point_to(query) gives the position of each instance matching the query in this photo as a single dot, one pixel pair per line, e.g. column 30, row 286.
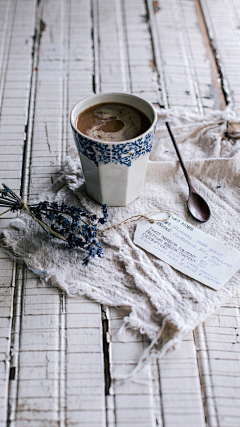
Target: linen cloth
column 165, row 304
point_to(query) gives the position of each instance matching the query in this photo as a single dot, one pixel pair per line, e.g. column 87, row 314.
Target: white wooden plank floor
column 57, row 354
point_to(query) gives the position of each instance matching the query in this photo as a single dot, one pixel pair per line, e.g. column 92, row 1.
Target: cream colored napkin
column 165, row 304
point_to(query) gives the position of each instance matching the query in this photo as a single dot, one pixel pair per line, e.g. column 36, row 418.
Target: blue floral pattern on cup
column 122, row 153
column 126, row 153
column 94, row 151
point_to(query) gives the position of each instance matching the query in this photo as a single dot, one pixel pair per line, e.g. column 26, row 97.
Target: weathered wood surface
column 57, row 353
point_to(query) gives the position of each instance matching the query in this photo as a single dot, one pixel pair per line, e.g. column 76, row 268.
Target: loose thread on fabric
column 151, row 353
column 136, row 218
column 37, row 271
column 143, row 359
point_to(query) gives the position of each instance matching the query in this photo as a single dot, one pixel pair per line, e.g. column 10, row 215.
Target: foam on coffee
column 112, row 122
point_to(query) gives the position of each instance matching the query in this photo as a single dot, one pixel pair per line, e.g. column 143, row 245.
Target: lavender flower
column 69, row 223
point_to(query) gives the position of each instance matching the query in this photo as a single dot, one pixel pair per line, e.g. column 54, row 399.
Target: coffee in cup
column 112, row 122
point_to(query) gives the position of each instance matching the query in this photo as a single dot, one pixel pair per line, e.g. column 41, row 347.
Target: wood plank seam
column 210, row 30
column 19, row 285
column 209, row 54
column 156, row 395
column 110, row 402
column 10, row 362
column 65, row 73
column 208, row 398
column 157, row 53
column 65, row 16
column 123, row 12
column 62, row 361
column 96, row 87
column 160, row 395
column 10, row 369
column 6, row 43
column 27, row 149
column 105, row 343
column 123, row 52
column 109, row 395
column 156, row 60
column 96, row 82
column 186, row 49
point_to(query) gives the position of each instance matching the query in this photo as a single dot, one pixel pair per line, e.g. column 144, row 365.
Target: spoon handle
column 179, row 155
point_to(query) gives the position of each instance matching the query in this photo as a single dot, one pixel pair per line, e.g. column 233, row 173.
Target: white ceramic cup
column 114, row 172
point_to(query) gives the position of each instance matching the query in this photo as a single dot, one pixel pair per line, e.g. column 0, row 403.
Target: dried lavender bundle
column 69, row 223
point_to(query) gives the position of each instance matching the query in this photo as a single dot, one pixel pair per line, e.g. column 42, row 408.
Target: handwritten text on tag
column 189, row 250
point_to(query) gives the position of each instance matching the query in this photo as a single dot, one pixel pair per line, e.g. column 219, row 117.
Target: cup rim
column 114, row 142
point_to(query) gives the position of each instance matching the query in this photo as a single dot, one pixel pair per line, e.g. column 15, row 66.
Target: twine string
column 136, row 218
column 3, row 213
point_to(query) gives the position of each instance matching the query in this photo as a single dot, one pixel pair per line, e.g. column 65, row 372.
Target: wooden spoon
column 197, row 206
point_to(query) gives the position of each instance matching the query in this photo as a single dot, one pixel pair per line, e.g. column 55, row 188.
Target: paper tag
column 189, row 250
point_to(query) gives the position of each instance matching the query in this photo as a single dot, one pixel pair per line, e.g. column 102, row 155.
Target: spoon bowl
column 197, row 206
